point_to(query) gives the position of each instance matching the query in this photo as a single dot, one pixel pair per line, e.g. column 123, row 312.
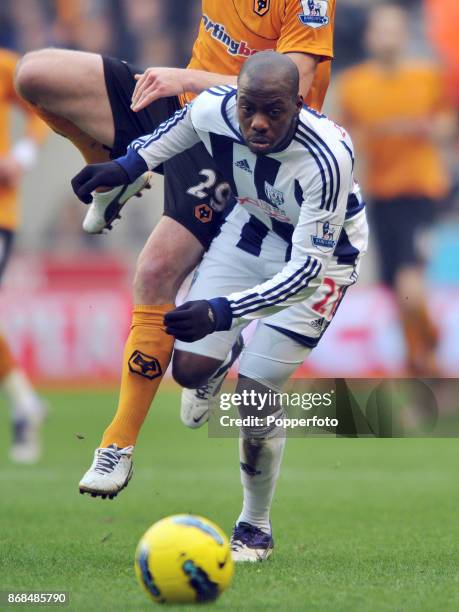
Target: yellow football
column 184, row 559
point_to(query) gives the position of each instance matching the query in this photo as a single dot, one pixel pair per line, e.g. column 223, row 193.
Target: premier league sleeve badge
column 326, row 236
column 315, row 13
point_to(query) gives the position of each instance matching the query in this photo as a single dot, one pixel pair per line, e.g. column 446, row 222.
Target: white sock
column 21, row 395
column 261, row 458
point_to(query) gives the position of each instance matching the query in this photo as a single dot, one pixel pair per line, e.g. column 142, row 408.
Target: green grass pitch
column 359, row 525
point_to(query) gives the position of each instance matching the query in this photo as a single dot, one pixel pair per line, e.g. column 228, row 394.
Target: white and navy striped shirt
column 305, row 192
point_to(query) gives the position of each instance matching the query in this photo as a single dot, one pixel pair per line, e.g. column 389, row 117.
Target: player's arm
column 308, row 44
column 299, row 278
column 161, row 82
column 307, row 65
column 146, row 153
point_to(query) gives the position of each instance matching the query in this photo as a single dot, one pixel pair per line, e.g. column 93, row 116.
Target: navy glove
column 109, row 174
column 195, row 320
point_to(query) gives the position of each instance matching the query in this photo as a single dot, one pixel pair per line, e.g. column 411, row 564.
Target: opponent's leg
column 173, row 250
column 86, row 98
column 169, row 255
column 67, row 90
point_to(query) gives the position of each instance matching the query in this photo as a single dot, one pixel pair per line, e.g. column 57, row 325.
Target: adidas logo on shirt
column 243, row 164
column 317, row 324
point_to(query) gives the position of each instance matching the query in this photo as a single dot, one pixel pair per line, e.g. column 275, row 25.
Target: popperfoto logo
column 271, row 409
column 233, row 47
column 362, row 408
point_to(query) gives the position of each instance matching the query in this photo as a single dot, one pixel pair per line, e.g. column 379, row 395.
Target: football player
column 101, row 104
column 293, row 241
column 401, row 137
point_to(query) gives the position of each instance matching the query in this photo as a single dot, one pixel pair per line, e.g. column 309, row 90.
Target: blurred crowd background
column 143, row 31
column 158, row 32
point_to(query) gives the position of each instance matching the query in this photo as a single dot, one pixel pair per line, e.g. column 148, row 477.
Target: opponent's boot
column 109, row 473
column 106, row 205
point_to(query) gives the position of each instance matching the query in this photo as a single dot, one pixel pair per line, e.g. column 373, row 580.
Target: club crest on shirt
column 314, row 13
column 326, row 236
column 275, row 196
column 261, row 7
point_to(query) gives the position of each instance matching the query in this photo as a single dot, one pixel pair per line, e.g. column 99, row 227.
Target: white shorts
column 228, row 266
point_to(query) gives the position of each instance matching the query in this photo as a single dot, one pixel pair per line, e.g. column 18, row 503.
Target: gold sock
column 92, row 151
column 7, row 361
column 147, row 354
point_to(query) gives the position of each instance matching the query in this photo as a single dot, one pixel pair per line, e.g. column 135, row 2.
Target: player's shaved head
column 268, row 71
column 268, row 102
